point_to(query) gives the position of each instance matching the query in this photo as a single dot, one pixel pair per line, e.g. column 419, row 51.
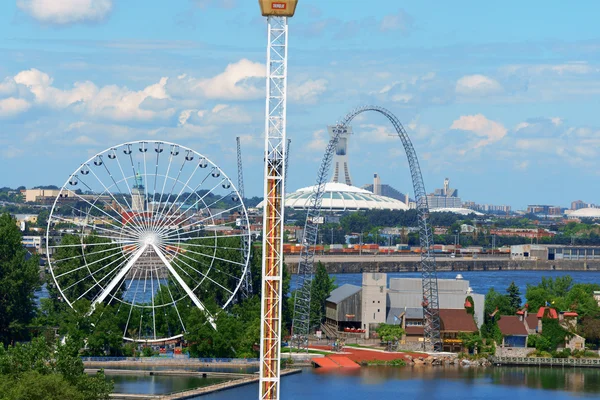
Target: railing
column 562, row 362
column 178, row 358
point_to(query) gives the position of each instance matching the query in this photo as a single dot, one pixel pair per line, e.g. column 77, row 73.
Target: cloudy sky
column 501, row 98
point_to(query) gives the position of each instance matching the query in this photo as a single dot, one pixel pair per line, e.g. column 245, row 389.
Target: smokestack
column 446, row 186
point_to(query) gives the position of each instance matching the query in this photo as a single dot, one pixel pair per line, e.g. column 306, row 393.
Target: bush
column 147, row 351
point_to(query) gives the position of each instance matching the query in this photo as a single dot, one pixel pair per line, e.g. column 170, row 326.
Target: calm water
column 382, row 383
column 143, row 384
column 482, row 281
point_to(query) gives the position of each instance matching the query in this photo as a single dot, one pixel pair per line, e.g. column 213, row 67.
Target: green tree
column 37, row 370
column 321, row 288
column 19, row 278
column 514, row 294
column 389, row 333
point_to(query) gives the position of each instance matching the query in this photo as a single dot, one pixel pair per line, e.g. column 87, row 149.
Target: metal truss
column 430, row 302
column 301, row 318
column 273, row 216
column 246, row 288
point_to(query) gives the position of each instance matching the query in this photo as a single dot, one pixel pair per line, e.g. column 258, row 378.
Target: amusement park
column 153, row 274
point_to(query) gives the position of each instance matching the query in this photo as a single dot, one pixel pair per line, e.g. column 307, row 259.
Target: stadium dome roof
column 342, row 197
column 586, row 213
column 461, row 211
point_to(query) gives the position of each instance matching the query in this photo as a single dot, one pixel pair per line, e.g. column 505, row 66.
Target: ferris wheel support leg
column 185, row 287
column 111, row 286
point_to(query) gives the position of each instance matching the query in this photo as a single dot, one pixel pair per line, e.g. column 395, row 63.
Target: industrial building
column 445, row 197
column 359, row 310
column 554, row 252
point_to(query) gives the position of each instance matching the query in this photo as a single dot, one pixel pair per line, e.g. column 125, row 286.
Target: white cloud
column 400, row 21
column 521, row 165
column 377, row 133
column 62, row 12
column 12, row 106
column 112, row 101
column 479, row 85
column 490, row 131
column 318, row 142
column 220, row 114
column 237, row 82
column 307, row 92
column 576, row 67
column 8, row 86
column 228, row 4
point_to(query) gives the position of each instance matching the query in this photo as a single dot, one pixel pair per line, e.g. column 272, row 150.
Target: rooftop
column 343, row 292
column 457, row 321
column 511, row 325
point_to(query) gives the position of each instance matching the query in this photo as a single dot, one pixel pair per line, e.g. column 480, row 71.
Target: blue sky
column 500, row 98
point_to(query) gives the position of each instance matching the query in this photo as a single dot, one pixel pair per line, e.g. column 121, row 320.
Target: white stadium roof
column 586, row 213
column 461, row 211
column 342, row 197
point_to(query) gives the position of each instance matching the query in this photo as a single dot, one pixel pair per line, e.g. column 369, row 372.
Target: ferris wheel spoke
column 107, row 190
column 152, row 301
column 194, row 191
column 144, row 150
column 90, row 275
column 217, row 269
column 109, row 288
column 108, row 223
column 164, row 185
column 83, row 224
column 175, row 305
column 99, row 195
column 185, row 185
column 185, row 287
column 178, row 244
column 214, row 257
column 87, row 254
column 83, row 266
column 205, row 275
column 132, row 302
column 201, row 198
column 175, row 232
column 135, row 220
column 103, row 212
column 84, row 245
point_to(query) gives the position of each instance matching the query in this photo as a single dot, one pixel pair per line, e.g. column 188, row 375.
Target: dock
column 239, row 380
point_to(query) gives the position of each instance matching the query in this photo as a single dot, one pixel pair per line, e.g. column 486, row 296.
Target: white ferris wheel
column 150, row 230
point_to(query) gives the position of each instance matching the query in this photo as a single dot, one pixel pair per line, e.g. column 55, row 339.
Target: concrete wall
column 374, row 293
column 453, row 265
column 513, row 351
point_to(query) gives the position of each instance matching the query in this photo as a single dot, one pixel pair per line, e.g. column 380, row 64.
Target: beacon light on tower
column 278, row 8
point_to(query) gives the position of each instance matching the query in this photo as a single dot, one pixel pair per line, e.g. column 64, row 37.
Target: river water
column 430, row 383
column 379, row 383
column 482, row 281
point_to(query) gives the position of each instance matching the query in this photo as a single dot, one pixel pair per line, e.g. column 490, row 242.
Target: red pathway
column 359, row 355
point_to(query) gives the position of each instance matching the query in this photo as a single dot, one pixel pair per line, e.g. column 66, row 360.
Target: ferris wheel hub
column 150, row 239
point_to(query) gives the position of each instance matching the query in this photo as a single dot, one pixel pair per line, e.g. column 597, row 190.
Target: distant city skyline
column 509, row 115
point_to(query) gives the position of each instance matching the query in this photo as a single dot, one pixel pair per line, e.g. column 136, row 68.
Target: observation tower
column 277, row 13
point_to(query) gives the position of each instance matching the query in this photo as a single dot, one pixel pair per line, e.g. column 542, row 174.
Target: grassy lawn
column 287, row 350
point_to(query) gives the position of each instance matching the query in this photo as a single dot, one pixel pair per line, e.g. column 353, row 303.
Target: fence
column 540, row 361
